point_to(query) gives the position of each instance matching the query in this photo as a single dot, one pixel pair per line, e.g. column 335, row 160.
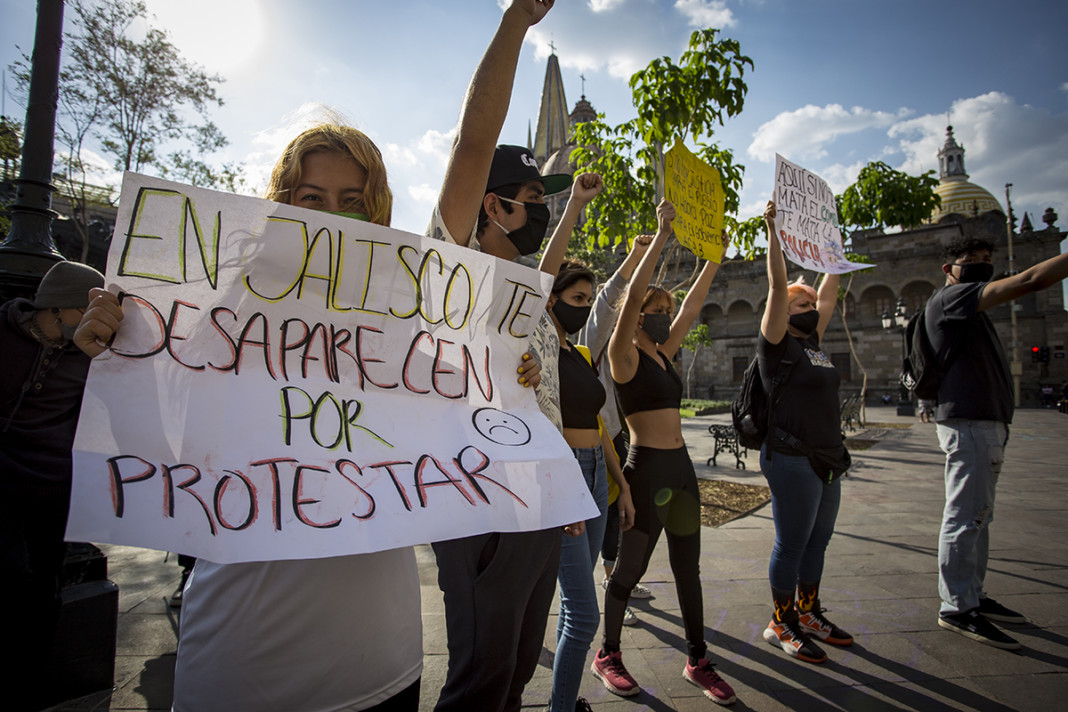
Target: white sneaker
column 629, row 618
column 638, row 591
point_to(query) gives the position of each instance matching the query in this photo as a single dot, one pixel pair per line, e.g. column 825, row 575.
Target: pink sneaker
column 704, row 675
column 608, row 667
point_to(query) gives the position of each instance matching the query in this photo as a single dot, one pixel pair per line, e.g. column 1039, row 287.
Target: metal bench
column 726, row 439
column 851, row 412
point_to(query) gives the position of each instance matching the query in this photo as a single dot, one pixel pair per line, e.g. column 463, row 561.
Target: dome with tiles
column 959, row 196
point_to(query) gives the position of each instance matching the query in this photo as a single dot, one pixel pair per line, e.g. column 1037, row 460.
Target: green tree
column 883, row 197
column 696, row 339
column 674, row 102
column 10, row 154
column 127, row 92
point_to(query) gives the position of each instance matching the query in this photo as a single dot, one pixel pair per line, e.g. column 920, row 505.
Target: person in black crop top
column 640, row 352
column 804, row 506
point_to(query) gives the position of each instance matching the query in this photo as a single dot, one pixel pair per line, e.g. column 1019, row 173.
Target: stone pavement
column 880, row 584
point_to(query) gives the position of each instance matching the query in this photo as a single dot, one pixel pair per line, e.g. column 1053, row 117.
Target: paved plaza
column 880, row 584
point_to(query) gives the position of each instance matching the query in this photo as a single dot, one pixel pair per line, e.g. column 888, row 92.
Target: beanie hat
column 66, row 286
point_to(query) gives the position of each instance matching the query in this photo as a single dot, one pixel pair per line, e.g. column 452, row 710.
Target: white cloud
column 604, row 5
column 424, row 193
column 1004, row 142
column 803, row 134
column 706, row 13
column 648, row 30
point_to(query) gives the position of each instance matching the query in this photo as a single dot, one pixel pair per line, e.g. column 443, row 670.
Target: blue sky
column 836, row 84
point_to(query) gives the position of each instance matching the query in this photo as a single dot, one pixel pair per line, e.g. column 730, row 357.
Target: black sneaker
column 581, row 705
column 989, row 608
column 972, row 625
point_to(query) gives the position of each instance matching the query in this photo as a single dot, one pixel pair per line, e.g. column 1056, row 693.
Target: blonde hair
column 795, row 290
column 348, row 142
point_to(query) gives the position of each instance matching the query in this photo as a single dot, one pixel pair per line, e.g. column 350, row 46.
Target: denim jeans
column 579, row 614
column 804, row 508
column 975, row 451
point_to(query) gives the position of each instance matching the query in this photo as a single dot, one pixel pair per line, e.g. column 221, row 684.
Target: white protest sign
column 806, row 220
column 292, row 384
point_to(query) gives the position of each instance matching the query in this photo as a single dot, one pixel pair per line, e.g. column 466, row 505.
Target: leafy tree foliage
column 674, row 102
column 696, row 339
column 126, row 92
column 884, row 197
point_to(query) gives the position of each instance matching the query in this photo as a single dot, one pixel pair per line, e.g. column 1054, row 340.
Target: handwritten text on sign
column 293, row 384
column 695, row 189
column 807, row 220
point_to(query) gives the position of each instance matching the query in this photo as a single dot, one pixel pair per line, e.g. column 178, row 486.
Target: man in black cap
column 41, row 385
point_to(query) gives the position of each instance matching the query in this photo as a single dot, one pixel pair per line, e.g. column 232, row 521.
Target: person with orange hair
column 803, row 453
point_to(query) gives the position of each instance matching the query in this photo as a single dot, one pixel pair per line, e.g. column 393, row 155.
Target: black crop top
column 652, row 387
column 581, row 394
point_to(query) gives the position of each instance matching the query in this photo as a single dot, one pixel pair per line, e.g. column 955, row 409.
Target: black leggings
column 664, row 489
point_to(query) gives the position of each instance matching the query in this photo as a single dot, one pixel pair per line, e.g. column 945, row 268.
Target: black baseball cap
column 516, row 164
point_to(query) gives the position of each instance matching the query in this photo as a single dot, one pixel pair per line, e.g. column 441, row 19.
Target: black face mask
column 805, row 322
column 976, row 272
column 571, row 318
column 528, row 238
column 658, row 326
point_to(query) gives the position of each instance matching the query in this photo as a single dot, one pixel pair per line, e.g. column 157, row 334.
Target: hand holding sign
column 805, row 219
column 696, row 190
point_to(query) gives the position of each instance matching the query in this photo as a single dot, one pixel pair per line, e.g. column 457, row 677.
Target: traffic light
column 1035, row 353
column 1043, row 355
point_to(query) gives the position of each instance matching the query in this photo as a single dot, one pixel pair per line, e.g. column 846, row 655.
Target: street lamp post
column 897, row 321
column 28, row 251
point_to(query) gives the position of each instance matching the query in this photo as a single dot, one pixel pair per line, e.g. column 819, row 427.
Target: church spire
column 951, row 159
column 553, row 124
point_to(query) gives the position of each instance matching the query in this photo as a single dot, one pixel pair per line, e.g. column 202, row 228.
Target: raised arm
column 583, row 190
column 622, row 356
column 691, row 305
column 595, row 334
column 777, row 308
column 481, row 118
column 826, row 298
column 1033, row 279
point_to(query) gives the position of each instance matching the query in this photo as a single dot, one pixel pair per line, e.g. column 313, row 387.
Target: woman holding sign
column 804, row 432
column 659, row 471
column 325, row 634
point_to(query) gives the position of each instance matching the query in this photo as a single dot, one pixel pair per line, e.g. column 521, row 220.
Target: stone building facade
column 908, row 267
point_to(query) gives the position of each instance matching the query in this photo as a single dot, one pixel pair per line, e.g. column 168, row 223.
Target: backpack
column 751, row 412
column 919, row 366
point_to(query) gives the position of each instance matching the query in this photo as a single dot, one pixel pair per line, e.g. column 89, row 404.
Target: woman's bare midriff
column 661, row 429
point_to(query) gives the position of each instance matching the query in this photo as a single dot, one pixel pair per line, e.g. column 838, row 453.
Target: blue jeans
column 579, row 614
column 975, row 451
column 804, row 509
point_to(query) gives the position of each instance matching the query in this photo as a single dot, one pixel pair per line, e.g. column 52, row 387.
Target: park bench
column 726, row 439
column 851, row 411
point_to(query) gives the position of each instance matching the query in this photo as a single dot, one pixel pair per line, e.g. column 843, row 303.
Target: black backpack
column 750, row 413
column 919, row 367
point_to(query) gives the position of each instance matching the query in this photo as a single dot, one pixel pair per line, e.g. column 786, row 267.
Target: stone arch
column 741, row 318
column 916, row 295
column 875, row 300
column 713, row 317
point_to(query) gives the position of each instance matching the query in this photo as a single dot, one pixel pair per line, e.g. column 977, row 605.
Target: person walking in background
column 975, row 408
column 805, row 428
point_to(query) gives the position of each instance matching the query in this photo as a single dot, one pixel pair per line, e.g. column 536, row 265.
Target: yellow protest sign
column 694, row 187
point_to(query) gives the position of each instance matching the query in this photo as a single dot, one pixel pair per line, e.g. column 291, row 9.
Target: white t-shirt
column 316, row 635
